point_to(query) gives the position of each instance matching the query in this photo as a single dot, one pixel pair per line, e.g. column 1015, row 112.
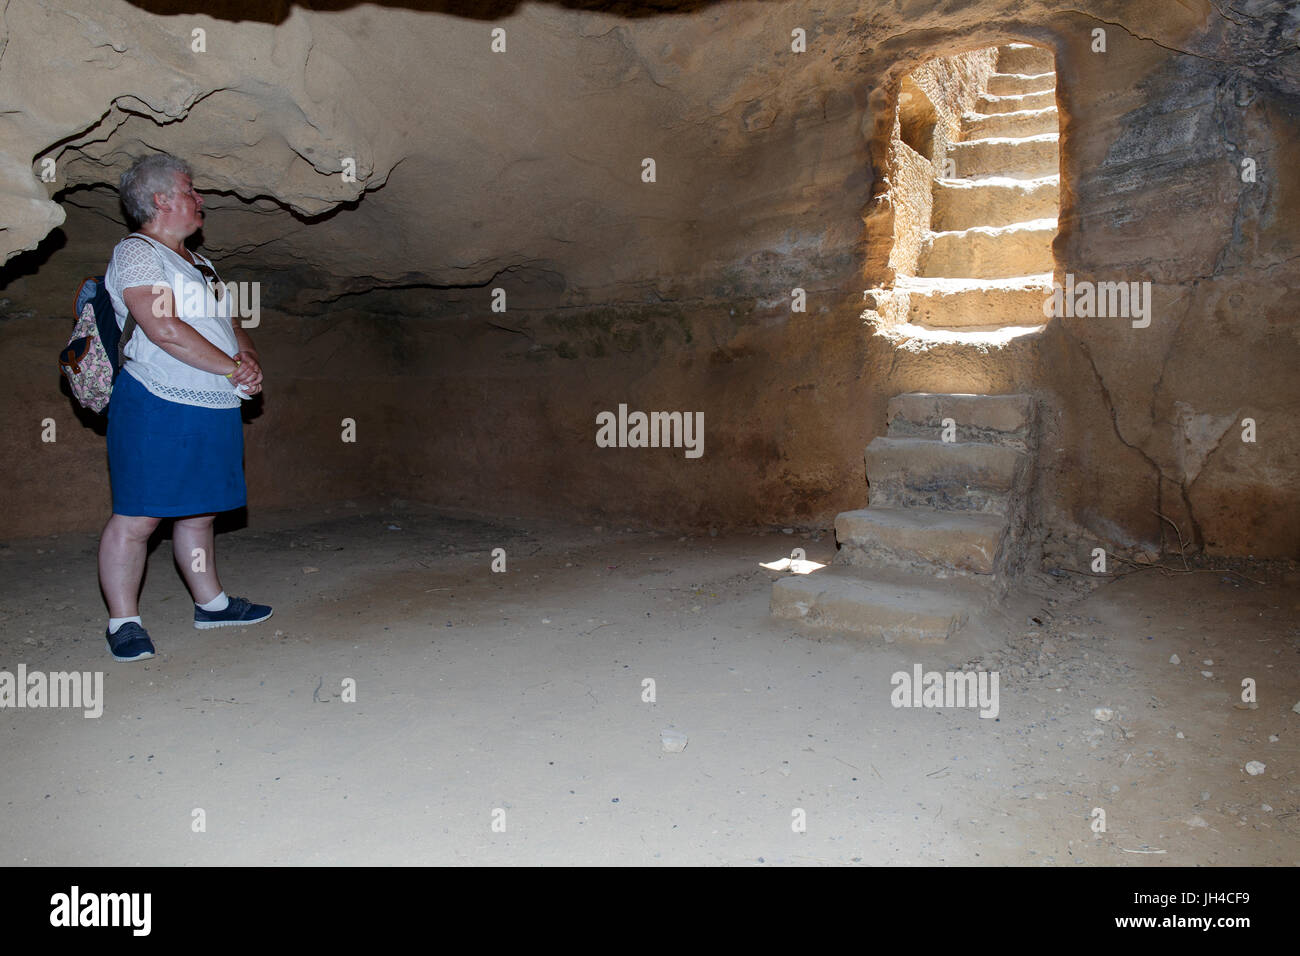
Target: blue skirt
column 168, row 460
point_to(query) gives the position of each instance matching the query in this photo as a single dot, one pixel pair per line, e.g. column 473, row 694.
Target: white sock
column 115, row 622
column 218, row 603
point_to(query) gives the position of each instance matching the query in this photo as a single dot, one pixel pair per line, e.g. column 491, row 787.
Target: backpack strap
column 127, row 328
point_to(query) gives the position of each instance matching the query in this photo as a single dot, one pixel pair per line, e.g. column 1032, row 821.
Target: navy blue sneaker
column 238, row 611
column 130, row 643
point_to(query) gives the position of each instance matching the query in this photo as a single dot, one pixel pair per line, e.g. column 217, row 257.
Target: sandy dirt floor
column 516, row 698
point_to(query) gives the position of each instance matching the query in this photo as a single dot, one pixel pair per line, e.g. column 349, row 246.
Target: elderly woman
column 175, row 436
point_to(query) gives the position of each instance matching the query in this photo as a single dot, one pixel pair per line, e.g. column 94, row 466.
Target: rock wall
column 523, row 171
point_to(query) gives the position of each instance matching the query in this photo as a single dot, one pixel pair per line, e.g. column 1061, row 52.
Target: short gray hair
column 148, row 175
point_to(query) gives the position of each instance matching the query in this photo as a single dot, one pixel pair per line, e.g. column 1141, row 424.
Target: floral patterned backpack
column 93, row 356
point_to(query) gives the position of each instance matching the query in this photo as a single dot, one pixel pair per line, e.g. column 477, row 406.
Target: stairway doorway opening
column 967, row 211
column 972, row 201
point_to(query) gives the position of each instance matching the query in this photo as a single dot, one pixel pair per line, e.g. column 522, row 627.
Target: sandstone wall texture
column 907, row 213
column 523, row 170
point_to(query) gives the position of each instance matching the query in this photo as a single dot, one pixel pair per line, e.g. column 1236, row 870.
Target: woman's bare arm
column 245, row 343
column 154, row 310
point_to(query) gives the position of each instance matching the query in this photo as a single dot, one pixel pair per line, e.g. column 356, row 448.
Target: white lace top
column 149, row 263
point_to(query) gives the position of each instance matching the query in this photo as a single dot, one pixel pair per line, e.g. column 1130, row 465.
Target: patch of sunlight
column 793, row 565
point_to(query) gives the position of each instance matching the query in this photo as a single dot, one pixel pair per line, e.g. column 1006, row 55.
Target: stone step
column 1019, row 123
column 1017, row 84
column 990, row 252
column 940, row 542
column 987, row 103
column 955, row 303
column 951, row 476
column 993, row 201
column 1025, row 58
column 993, row 419
column 1012, row 157
column 880, row 604
column 980, row 337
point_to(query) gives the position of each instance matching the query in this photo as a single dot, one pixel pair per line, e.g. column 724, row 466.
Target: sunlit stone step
column 1025, row 58
column 987, row 103
column 1017, row 84
column 1019, row 123
column 954, row 303
column 991, row 252
column 993, row 201
column 1012, row 157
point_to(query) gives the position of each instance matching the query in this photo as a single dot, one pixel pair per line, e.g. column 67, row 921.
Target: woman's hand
column 247, row 373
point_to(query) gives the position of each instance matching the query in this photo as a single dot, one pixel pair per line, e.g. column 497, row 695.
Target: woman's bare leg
column 123, row 548
column 193, row 548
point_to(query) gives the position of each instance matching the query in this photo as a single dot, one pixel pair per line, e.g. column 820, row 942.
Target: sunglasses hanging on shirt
column 214, row 281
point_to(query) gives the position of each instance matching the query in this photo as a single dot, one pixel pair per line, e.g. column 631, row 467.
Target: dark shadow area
column 916, row 117
column 228, row 521
column 30, row 262
column 251, row 410
column 97, row 422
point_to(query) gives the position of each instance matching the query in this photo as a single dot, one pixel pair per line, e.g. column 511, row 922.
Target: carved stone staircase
column 944, row 528
column 986, row 262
